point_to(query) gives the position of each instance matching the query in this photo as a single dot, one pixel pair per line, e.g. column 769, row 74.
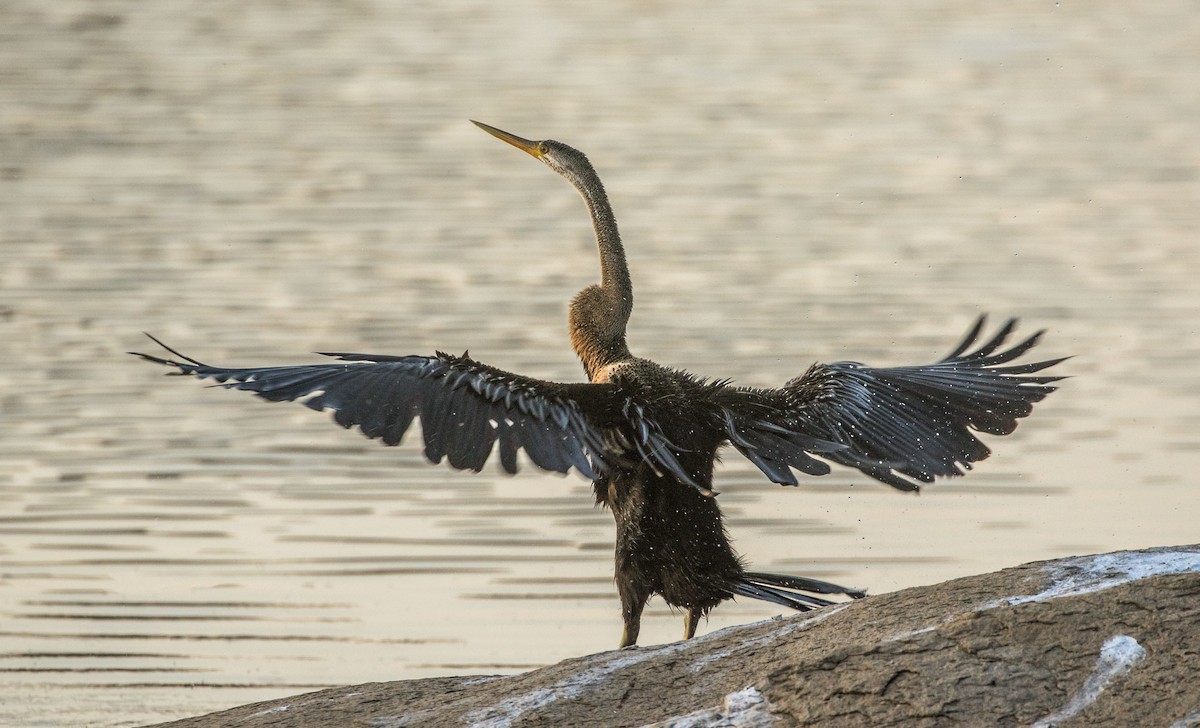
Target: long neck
column 599, row 314
column 614, row 272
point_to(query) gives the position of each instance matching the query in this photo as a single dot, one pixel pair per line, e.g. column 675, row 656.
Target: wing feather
column 467, row 409
column 900, row 425
column 464, row 406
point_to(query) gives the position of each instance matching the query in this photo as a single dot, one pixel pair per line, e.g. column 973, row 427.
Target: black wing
column 896, row 424
column 465, row 408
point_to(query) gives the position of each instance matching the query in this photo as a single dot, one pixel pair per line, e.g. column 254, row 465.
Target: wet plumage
column 648, row 435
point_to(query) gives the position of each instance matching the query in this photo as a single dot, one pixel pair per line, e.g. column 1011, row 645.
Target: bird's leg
column 632, row 613
column 629, row 635
column 690, row 620
column 632, row 602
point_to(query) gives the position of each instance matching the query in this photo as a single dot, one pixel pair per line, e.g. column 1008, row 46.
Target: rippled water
column 814, row 182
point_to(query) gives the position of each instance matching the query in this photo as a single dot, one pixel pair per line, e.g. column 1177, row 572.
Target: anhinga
column 648, row 435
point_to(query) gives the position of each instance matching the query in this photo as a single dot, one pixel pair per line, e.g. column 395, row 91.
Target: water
column 814, row 182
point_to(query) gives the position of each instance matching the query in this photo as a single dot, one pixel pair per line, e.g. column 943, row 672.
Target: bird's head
column 566, row 160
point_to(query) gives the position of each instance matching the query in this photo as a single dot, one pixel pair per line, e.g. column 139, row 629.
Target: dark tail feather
column 788, row 591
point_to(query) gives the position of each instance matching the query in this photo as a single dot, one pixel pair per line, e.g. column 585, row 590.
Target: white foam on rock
column 273, row 709
column 1087, row 574
column 1191, row 720
column 1118, row 655
column 502, row 714
column 789, row 626
column 744, row 709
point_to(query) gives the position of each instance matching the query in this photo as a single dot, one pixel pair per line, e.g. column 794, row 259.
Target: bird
column 648, row 435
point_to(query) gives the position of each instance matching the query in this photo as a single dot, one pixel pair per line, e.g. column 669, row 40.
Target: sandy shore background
column 815, row 181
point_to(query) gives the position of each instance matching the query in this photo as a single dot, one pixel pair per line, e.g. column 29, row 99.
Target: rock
column 1107, row 640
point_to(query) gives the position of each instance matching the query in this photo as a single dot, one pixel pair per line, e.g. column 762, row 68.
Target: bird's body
column 649, row 435
column 670, row 538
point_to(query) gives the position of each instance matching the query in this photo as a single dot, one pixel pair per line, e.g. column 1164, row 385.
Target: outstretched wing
column 466, row 408
column 896, row 424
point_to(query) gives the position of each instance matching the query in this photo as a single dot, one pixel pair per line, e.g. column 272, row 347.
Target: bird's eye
column 543, row 149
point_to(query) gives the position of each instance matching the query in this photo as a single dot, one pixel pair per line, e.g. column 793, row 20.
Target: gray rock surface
column 1107, row 640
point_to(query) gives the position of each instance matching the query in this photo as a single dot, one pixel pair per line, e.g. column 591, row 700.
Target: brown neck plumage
column 599, row 313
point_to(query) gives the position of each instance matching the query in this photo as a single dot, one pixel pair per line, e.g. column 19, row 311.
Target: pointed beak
column 525, row 145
